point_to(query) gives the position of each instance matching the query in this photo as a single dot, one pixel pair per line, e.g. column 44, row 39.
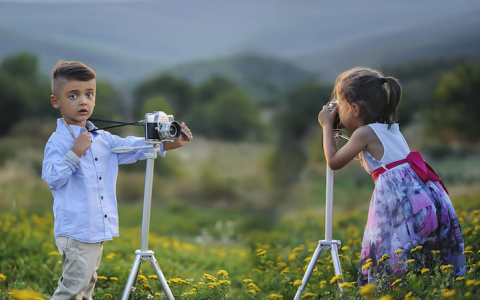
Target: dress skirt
column 405, row 213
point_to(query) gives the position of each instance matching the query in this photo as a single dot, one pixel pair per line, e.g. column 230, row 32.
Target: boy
column 81, row 172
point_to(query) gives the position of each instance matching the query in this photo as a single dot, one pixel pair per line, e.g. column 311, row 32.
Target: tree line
column 440, row 93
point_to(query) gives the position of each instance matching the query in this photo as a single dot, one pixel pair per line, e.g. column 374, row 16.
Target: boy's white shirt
column 85, row 204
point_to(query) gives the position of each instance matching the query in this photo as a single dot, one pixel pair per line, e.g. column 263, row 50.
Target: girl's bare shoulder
column 365, row 132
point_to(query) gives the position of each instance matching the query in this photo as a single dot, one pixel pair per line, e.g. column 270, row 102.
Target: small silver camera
column 336, row 123
column 161, row 127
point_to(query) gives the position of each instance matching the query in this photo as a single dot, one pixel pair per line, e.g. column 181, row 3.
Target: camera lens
column 173, row 130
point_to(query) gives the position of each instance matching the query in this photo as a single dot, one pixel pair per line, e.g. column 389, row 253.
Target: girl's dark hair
column 65, row 71
column 377, row 96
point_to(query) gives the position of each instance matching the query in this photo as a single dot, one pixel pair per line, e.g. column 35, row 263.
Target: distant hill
column 262, row 77
column 128, row 40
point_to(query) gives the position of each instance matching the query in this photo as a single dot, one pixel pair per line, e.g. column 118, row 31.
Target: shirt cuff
column 161, row 152
column 72, row 160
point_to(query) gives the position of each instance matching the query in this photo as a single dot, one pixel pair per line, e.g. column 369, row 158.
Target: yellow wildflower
column 297, row 249
column 275, row 296
column 410, row 261
column 209, row 277
column 368, row 260
column 308, row 295
column 385, row 257
column 459, row 278
column 416, row 249
column 224, row 282
column 286, row 270
column 467, row 252
column 108, row 295
column 24, row 294
column 3, row 277
column 222, row 273
column 336, row 278
column 252, row 292
column 114, row 278
column 366, row 266
column 212, row 284
column 245, row 281
column 470, row 282
column 102, row 278
column 297, row 282
column 446, row 268
column 281, row 264
column 54, row 253
column 399, row 251
column 253, row 286
column 448, row 293
column 396, row 281
column 425, row 271
column 346, row 285
column 435, row 251
column 386, row 297
column 367, row 290
column 153, row 277
column 345, row 248
column 262, row 252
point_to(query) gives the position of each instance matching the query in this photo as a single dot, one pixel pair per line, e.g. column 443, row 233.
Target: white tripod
column 327, row 243
column 143, row 253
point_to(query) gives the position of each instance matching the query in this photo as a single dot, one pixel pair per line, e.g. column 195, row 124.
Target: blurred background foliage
column 247, row 154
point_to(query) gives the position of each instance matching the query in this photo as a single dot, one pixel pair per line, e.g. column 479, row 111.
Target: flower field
column 254, row 265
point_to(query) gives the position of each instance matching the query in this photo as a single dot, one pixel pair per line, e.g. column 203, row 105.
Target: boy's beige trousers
column 79, row 272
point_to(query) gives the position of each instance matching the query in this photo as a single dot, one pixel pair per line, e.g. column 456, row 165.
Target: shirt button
column 105, row 216
column 101, row 197
column 99, row 178
column 96, row 159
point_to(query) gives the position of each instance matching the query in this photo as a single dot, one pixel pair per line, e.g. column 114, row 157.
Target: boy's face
column 76, row 100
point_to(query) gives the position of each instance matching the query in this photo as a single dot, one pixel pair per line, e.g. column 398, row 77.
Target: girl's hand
column 327, row 117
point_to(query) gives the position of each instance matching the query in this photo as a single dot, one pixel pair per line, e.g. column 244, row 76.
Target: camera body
column 337, row 125
column 160, row 127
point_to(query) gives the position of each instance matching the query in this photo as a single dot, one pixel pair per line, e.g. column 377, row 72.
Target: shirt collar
column 61, row 128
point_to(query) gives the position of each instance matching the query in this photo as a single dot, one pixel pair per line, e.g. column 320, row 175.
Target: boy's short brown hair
column 65, row 71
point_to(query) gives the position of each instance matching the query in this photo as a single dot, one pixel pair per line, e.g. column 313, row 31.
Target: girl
column 410, row 205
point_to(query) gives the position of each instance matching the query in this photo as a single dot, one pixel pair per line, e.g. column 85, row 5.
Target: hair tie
column 383, row 80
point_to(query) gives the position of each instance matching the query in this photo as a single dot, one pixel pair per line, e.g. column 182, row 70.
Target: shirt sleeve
column 58, row 165
column 133, row 156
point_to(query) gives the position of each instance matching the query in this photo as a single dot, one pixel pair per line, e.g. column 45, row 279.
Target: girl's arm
column 337, row 159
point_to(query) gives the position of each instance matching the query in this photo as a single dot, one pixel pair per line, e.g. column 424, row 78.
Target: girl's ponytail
column 394, row 94
column 377, row 96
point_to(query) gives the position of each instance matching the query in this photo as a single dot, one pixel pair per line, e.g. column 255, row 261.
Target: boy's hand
column 82, row 143
column 181, row 141
column 327, row 117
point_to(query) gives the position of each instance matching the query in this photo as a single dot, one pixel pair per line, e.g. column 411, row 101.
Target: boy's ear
column 54, row 101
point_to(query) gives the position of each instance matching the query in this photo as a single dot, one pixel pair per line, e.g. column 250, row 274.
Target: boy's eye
column 89, row 95
column 72, row 96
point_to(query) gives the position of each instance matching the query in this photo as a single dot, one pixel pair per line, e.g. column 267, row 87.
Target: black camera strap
column 138, row 123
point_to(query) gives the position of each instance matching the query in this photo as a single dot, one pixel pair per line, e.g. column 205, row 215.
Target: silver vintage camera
column 161, row 127
column 336, row 124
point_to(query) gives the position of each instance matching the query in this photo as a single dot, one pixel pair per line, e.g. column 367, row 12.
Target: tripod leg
column 310, row 268
column 161, row 278
column 336, row 263
column 132, row 277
